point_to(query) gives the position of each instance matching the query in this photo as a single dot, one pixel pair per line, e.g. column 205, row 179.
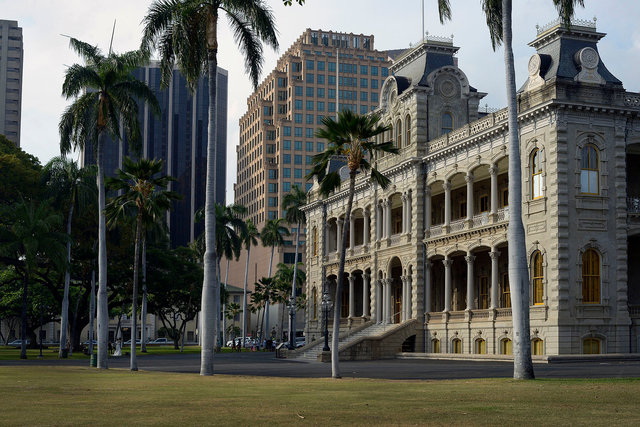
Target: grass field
column 72, row 396
column 13, row 353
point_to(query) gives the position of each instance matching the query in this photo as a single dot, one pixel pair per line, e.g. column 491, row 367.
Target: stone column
column 387, row 301
column 387, row 217
column 470, row 288
column 493, row 170
column 367, row 227
column 352, row 234
column 427, row 210
column 404, row 213
column 352, row 299
column 378, row 307
column 428, row 286
column 495, row 255
column 339, row 223
column 403, row 306
column 365, row 294
column 408, row 297
column 447, row 283
column 378, row 219
column 469, row 179
column 409, row 217
column 447, row 204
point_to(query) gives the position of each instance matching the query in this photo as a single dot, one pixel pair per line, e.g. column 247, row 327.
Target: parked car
column 161, row 341
column 300, row 342
column 18, row 343
column 247, row 342
column 128, row 342
column 95, row 342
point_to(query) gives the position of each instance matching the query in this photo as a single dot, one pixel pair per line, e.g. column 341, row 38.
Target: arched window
column 447, row 123
column 314, row 302
column 591, row 346
column 536, row 175
column 407, row 127
column 537, row 276
column 506, row 292
column 589, row 175
column 435, row 345
column 590, row 277
column 456, row 346
column 315, row 241
column 481, row 346
column 399, row 134
column 390, row 134
column 537, row 347
column 505, row 346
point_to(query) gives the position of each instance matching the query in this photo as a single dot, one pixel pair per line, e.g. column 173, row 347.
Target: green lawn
column 72, row 396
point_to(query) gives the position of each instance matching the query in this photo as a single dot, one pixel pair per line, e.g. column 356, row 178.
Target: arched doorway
column 395, row 274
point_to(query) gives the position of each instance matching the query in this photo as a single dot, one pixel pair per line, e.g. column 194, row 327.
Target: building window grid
column 536, row 175
column 590, row 172
column 590, row 277
column 537, row 278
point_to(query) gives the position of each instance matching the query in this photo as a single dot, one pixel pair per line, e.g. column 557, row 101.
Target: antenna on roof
column 422, row 20
column 112, row 34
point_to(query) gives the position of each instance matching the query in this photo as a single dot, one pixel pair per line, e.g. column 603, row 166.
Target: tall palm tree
column 186, row 32
column 272, row 234
column 249, row 238
column 292, row 203
column 352, row 136
column 104, row 95
column 65, row 180
column 27, row 235
column 144, row 194
column 288, row 280
column 499, row 20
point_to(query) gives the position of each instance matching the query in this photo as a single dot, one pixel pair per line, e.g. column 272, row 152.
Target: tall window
column 590, row 277
column 536, row 175
column 505, row 346
column 314, row 299
column 315, row 241
column 447, row 123
column 589, row 175
column 483, row 292
column 506, row 293
column 537, row 277
column 435, row 345
column 591, row 346
column 537, row 347
column 481, row 346
column 407, row 126
column 399, row 134
column 456, row 346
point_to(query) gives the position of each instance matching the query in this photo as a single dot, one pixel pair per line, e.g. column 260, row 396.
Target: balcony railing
column 481, row 219
column 395, row 239
column 436, row 230
column 457, row 225
column 503, row 214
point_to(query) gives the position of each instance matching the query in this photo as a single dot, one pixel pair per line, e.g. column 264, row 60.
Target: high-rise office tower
column 321, row 72
column 179, row 137
column 11, row 59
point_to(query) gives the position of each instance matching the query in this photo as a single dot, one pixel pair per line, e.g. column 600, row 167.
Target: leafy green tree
column 289, row 282
column 19, row 173
column 186, row 32
column 351, row 136
column 143, row 194
column 272, row 234
column 71, row 186
column 499, row 20
column 105, row 95
column 249, row 238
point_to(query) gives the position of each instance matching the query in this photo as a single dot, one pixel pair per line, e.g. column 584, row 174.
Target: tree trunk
column 23, row 325
column 335, row 339
column 244, row 297
column 210, row 285
column 266, row 307
column 92, row 310
column 143, row 337
column 518, row 271
column 224, row 307
column 292, row 319
column 134, row 301
column 75, row 333
column 103, row 308
column 64, row 316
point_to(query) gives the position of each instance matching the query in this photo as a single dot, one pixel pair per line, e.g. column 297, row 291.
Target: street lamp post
column 292, row 328
column 326, row 306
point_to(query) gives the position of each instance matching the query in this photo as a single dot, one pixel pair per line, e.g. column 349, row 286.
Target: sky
column 394, row 25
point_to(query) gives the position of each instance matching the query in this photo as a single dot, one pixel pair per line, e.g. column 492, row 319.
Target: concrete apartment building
column 321, row 72
column 11, row 62
column 426, row 268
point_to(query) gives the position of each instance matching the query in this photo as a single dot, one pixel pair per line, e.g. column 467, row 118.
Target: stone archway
column 395, row 291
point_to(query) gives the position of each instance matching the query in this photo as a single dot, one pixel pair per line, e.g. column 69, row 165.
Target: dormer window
column 447, row 123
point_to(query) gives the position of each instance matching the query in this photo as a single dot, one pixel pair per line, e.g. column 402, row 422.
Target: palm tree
column 28, row 235
column 71, row 183
column 272, row 235
column 288, row 280
column 143, row 193
column 186, row 32
column 499, row 21
column 104, row 96
column 249, row 238
column 351, row 136
column 292, row 203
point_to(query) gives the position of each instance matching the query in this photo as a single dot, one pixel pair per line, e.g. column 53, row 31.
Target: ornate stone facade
column 433, row 246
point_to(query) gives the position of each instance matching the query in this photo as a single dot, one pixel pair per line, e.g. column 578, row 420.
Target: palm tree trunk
column 266, row 307
column 292, row 319
column 335, row 339
column 143, row 338
column 103, row 303
column 92, row 310
column 133, row 365
column 210, row 286
column 244, row 297
column 64, row 316
column 224, row 306
column 23, row 324
column 518, row 272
